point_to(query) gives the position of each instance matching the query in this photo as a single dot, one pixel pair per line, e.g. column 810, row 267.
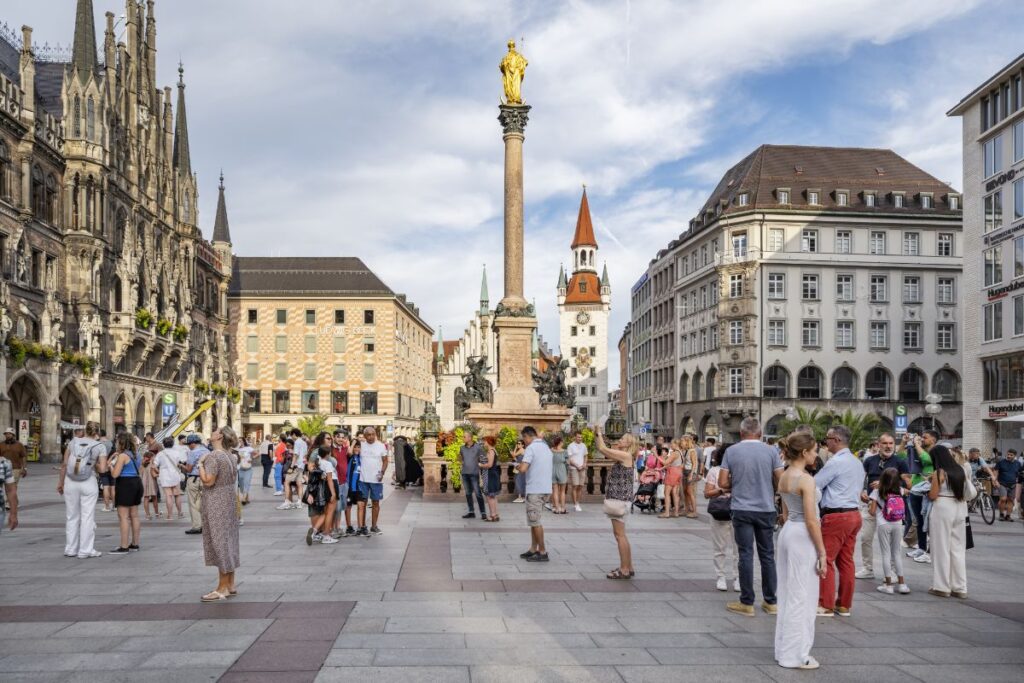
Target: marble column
column 513, row 120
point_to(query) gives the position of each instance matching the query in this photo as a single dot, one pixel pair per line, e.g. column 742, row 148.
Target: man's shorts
column 106, row 479
column 295, row 476
column 535, row 507
column 1005, row 490
column 356, row 497
column 576, row 477
column 371, row 490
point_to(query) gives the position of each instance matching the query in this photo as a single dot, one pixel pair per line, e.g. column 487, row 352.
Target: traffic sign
column 899, row 422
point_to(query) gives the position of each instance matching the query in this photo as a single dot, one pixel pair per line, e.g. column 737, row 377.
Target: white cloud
column 369, row 128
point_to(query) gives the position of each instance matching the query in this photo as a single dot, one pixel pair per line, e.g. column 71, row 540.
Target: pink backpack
column 894, row 509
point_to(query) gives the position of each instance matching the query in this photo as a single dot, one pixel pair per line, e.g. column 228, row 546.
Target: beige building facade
column 326, row 336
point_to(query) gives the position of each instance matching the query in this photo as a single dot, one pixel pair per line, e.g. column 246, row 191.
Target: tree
column 312, row 425
column 864, row 428
column 818, row 420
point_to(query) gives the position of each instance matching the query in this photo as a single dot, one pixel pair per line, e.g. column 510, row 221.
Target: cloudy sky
column 368, row 127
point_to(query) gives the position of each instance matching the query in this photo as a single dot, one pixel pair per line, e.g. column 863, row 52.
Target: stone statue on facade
column 21, row 265
column 551, row 385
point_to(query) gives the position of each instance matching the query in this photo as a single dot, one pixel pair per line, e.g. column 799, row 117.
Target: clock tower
column 584, row 305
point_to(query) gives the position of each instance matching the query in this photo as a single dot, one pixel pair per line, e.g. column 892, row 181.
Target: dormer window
column 783, row 195
column 926, row 201
column 954, row 202
column 842, row 198
column 812, row 197
column 897, row 200
column 742, row 199
column 870, row 199
column 583, row 286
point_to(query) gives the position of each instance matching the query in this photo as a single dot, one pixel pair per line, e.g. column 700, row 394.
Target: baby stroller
column 646, row 497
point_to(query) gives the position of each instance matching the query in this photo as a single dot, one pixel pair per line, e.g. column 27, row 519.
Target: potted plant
column 143, row 318
column 180, row 333
column 163, row 327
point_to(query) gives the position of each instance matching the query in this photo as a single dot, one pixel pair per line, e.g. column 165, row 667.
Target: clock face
column 583, row 317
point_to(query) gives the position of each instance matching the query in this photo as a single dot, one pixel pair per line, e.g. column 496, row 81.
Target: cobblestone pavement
column 439, row 598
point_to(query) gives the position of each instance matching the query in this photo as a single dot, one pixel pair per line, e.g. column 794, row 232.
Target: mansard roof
column 299, row 276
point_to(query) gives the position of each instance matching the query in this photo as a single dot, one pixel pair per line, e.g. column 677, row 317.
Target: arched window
column 710, row 383
column 116, row 294
column 946, row 383
column 697, row 378
column 120, row 226
column 77, row 119
column 51, row 199
column 877, row 384
column 912, row 385
column 90, row 118
column 808, row 382
column 844, row 384
column 186, row 208
column 684, row 387
column 776, row 382
column 5, row 171
column 38, row 193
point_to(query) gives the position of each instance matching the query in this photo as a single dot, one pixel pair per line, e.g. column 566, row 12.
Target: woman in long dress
column 219, row 511
column 800, row 555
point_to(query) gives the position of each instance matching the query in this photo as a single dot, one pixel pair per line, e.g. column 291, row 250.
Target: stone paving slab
column 441, row 598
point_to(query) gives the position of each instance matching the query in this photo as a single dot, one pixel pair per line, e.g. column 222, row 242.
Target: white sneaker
column 278, row 493
column 722, row 584
column 296, row 506
column 923, row 558
column 86, row 556
column 241, row 522
column 736, row 585
column 520, row 499
column 914, row 552
column 317, row 537
column 285, row 506
column 904, row 589
column 865, row 574
column 547, row 506
column 886, row 588
column 578, row 508
column 327, row 540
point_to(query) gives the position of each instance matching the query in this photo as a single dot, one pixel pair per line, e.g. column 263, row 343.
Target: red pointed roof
column 584, row 228
column 584, row 288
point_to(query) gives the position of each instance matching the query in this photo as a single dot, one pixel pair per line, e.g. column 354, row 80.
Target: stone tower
column 584, row 306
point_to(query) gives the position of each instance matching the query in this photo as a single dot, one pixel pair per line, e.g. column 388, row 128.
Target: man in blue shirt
column 1007, row 469
column 536, row 465
column 841, row 481
column 194, row 487
column 874, row 465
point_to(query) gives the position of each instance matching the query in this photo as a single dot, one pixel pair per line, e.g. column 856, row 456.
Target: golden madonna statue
column 513, row 71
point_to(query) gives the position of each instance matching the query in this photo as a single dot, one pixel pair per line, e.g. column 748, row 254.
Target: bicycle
column 983, row 503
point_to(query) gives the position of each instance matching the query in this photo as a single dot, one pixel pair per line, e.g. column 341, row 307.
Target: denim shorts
column 371, row 490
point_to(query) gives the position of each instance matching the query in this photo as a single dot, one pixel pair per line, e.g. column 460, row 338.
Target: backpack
column 894, row 509
column 81, row 464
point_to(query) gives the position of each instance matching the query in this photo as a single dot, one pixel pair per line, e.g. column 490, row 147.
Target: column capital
column 513, row 118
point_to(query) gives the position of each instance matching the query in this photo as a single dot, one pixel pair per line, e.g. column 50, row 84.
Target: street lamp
column 933, row 408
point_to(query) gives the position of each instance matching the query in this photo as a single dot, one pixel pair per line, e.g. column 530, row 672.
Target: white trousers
column 80, row 507
column 724, row 543
column 867, row 538
column 947, row 544
column 795, row 561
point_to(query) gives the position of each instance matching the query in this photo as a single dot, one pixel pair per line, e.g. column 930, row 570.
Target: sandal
column 617, row 575
column 213, row 596
column 231, row 594
column 664, row 516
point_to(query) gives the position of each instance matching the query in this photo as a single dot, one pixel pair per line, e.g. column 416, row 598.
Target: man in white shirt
column 709, row 453
column 577, row 452
column 536, row 466
column 374, row 458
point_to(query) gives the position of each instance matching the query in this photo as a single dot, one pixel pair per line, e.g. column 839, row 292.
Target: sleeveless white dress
column 796, row 559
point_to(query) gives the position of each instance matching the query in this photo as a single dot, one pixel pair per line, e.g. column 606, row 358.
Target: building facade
column 584, row 307
column 624, row 373
column 821, row 278
column 325, row 336
column 639, row 361
column 114, row 304
column 478, row 342
column 993, row 291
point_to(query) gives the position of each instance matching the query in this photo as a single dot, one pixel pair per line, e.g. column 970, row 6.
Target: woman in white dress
column 800, row 555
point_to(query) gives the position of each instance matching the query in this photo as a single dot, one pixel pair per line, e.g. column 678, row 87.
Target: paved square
column 439, row 598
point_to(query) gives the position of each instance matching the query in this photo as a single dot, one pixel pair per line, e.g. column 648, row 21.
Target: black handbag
column 969, row 534
column 720, row 508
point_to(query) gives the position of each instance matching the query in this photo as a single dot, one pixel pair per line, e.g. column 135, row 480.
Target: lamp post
column 933, row 406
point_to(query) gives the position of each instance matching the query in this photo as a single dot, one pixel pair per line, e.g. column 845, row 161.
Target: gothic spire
column 484, row 298
column 182, row 159
column 584, row 228
column 604, row 276
column 220, row 223
column 83, row 52
column 440, row 344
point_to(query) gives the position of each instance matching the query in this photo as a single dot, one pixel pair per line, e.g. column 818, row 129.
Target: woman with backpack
column 83, row 460
column 886, row 504
column 127, row 472
column 950, row 490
